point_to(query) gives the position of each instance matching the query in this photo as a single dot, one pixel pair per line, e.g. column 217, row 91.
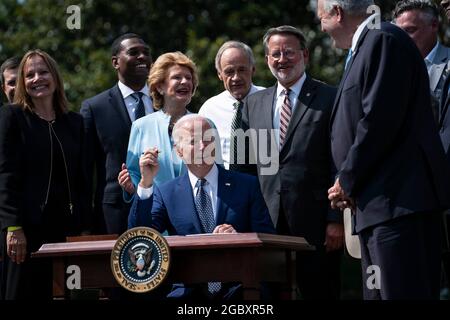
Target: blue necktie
column 206, row 215
column 204, row 207
column 349, row 57
column 139, row 110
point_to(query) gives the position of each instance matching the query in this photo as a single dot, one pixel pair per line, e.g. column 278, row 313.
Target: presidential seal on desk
column 140, row 259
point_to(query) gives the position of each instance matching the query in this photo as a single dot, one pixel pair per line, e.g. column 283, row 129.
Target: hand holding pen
column 149, row 166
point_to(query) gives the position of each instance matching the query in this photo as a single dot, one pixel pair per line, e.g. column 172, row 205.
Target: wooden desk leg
column 251, row 280
column 58, row 277
column 291, row 275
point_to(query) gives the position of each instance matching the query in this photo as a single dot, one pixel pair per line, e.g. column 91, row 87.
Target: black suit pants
column 407, row 253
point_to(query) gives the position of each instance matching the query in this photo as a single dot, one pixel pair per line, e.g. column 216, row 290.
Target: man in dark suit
column 294, row 182
column 391, row 166
column 207, row 199
column 444, row 120
column 444, row 131
column 420, row 19
column 8, row 73
column 108, row 118
column 8, row 77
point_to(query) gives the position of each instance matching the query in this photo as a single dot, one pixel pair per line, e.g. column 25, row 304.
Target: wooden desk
column 245, row 257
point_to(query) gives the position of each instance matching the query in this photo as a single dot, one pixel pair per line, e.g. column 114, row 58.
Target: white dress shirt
column 220, row 110
column 296, row 88
column 429, row 59
column 211, row 187
column 130, row 101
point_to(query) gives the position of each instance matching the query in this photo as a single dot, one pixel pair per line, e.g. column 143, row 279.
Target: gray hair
column 176, row 132
column 429, row 10
column 284, row 30
column 237, row 45
column 352, row 7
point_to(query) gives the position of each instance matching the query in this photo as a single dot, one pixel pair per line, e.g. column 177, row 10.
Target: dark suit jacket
column 384, row 142
column 171, row 207
column 305, row 172
column 444, row 123
column 107, row 126
column 25, row 170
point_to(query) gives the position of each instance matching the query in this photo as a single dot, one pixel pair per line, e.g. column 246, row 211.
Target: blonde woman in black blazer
column 41, row 176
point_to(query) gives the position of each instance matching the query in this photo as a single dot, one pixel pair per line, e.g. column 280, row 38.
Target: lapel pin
column 308, row 94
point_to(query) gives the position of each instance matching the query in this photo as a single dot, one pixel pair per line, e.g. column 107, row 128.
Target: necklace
column 47, row 118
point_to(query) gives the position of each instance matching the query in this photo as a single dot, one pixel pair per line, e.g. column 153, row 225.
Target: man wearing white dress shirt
column 420, row 19
column 235, row 66
column 107, row 118
column 205, row 199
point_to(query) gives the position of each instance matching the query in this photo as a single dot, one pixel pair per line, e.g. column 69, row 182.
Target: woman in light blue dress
column 172, row 81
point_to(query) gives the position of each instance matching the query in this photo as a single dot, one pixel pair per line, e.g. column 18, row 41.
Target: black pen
column 157, row 151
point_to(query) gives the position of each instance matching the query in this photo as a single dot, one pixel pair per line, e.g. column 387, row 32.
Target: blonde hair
column 159, row 73
column 22, row 97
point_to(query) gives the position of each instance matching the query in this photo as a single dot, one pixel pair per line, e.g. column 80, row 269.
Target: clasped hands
column 338, row 198
column 224, row 228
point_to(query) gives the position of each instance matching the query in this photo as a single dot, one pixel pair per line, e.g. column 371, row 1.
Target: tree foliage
column 195, row 27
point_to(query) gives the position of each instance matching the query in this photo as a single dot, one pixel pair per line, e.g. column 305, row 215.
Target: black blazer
column 384, row 141
column 25, row 167
column 107, row 126
column 444, row 123
column 305, row 172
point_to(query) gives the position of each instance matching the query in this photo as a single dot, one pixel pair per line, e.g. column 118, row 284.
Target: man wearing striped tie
column 295, row 113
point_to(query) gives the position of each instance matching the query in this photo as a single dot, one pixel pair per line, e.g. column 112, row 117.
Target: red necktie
column 285, row 116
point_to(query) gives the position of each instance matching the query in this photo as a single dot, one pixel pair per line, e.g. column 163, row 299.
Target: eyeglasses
column 288, row 53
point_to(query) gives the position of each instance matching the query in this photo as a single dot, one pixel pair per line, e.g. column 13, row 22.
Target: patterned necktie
column 235, row 124
column 285, row 116
column 139, row 110
column 204, row 207
column 206, row 215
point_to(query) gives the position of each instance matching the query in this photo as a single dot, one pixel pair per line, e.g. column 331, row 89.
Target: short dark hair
column 10, row 63
column 284, row 30
column 116, row 46
column 425, row 6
